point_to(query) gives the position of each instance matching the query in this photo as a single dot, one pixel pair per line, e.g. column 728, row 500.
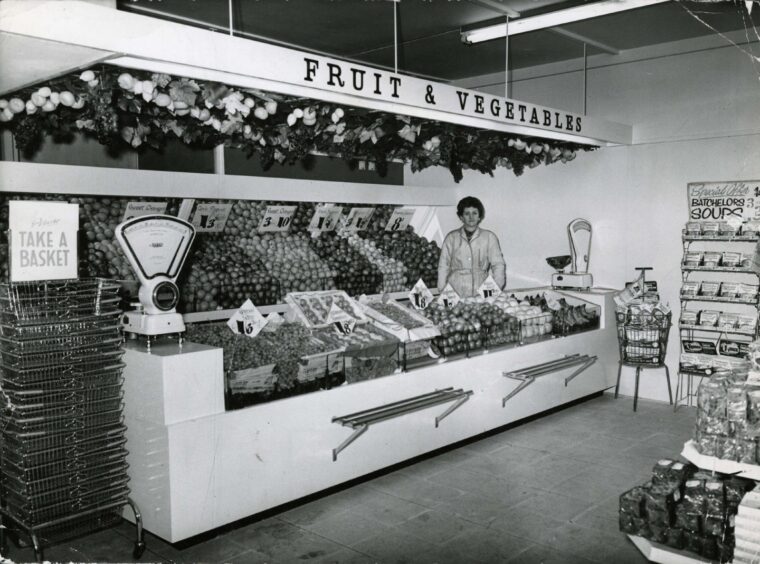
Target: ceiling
column 429, row 30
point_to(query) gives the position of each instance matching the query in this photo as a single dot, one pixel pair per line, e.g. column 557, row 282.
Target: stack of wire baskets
column 63, row 469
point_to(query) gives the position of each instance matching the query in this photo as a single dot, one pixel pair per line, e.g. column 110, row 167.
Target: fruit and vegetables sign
column 43, row 240
column 724, row 201
column 277, row 218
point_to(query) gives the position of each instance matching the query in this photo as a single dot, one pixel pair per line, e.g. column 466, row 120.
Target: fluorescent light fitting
column 553, row 19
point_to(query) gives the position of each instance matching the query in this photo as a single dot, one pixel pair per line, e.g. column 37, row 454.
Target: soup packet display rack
column 62, row 440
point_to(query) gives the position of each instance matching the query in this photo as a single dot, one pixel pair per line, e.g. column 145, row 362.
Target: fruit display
column 369, row 352
column 353, row 272
column 471, row 325
column 573, row 318
column 313, row 307
column 534, row 320
column 400, row 321
column 419, row 255
column 393, row 271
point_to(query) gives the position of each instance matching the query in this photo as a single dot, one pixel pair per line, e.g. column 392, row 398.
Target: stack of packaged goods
column 63, row 457
column 685, row 509
column 747, row 530
column 728, row 413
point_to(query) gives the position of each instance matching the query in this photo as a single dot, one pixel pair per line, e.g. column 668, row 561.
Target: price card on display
column 489, row 288
column 211, row 218
column 137, row 209
column 325, row 218
column 420, row 297
column 43, row 240
column 358, row 218
column 400, row 218
column 277, row 218
column 273, row 322
column 724, row 201
column 247, row 320
column 342, row 321
column 448, row 297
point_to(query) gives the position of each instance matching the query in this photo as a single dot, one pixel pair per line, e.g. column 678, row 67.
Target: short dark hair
column 470, row 202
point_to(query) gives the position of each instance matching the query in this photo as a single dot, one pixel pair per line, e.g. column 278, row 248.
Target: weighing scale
column 156, row 247
column 579, row 233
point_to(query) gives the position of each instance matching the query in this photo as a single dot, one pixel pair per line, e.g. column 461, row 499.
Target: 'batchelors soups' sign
column 724, row 201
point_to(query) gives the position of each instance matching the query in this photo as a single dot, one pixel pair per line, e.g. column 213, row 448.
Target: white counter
column 198, row 470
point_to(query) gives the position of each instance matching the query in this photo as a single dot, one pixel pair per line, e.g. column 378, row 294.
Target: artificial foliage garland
column 138, row 109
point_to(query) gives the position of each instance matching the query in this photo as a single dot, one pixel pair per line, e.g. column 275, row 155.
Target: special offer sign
column 43, row 240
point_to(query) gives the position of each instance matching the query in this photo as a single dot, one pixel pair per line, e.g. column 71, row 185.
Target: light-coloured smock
column 466, row 264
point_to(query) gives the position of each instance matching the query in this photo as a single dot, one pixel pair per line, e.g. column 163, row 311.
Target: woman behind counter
column 469, row 254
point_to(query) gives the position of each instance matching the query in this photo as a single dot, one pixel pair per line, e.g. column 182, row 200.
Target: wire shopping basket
column 643, row 337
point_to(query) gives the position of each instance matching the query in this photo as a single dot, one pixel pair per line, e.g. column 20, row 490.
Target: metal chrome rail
column 527, row 376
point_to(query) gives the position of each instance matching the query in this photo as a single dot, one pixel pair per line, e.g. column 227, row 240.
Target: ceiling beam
column 583, row 39
column 498, row 6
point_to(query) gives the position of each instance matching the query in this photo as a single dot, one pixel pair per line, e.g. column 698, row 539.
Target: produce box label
column 400, row 218
column 358, row 219
column 277, row 218
column 342, row 321
column 138, row 209
column 489, row 288
column 325, row 218
column 418, row 349
column 43, row 240
column 211, row 218
column 312, row 367
column 712, row 201
column 448, row 296
column 420, row 297
column 252, row 380
column 247, row 320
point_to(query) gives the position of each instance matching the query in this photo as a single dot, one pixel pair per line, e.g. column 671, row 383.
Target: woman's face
column 470, row 218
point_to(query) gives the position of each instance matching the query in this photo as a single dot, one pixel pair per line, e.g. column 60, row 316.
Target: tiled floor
column 543, row 492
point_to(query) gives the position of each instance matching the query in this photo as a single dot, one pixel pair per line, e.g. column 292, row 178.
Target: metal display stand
column 361, row 420
column 62, row 438
column 527, row 376
column 715, row 335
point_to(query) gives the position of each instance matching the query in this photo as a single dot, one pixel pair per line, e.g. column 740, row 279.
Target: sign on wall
column 43, row 240
column 724, row 201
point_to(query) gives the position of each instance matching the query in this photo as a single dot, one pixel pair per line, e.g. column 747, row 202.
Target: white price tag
column 358, row 218
column 342, row 321
column 400, row 218
column 247, row 320
column 211, row 218
column 273, row 322
column 325, row 218
column 138, row 209
column 277, row 218
column 489, row 288
column 448, row 297
column 420, row 297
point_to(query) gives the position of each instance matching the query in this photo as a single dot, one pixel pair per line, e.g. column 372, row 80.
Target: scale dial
column 156, row 245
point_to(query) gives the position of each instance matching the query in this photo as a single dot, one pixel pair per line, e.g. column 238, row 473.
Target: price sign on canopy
column 247, row 320
column 211, row 217
column 325, row 218
column 399, row 219
column 448, row 296
column 358, row 218
column 420, row 296
column 277, row 218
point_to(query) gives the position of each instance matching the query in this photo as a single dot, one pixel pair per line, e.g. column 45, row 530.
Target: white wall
column 696, row 117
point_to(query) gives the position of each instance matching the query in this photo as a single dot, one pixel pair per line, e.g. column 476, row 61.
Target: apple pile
column 471, row 325
column 353, row 272
column 419, row 255
column 393, row 271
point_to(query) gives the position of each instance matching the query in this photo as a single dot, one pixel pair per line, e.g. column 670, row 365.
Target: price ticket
column 277, row 218
column 358, row 218
column 247, row 320
column 489, row 288
column 137, row 209
column 325, row 218
column 420, row 296
column 448, row 297
column 211, row 217
column 400, row 218
column 342, row 321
